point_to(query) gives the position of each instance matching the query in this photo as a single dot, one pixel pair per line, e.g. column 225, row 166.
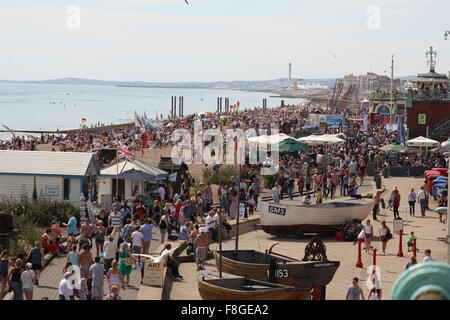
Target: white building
column 60, row 176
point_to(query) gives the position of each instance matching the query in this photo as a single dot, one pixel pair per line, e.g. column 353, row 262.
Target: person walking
column 395, row 197
column 201, row 244
column 354, row 292
column 410, row 241
column 413, row 262
column 115, row 277
column 148, row 235
column 384, row 235
column 422, row 200
column 72, row 257
column 36, row 258
column 100, row 233
column 71, row 224
column 28, row 278
column 137, row 242
column 114, row 295
column 85, row 261
column 125, row 264
column 14, row 279
column 110, row 252
column 276, row 193
column 412, row 202
column 64, row 291
column 368, row 234
column 97, row 273
column 428, row 257
column 376, row 204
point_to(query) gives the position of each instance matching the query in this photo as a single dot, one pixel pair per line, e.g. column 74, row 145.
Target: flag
column 83, row 120
column 137, row 121
column 125, row 153
column 144, row 142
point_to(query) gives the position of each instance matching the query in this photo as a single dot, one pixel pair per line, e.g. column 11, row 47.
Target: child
column 410, row 241
column 319, row 196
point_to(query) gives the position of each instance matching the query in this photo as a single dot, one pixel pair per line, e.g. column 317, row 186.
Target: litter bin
column 378, row 181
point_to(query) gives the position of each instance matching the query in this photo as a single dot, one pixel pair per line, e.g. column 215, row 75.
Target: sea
column 59, row 106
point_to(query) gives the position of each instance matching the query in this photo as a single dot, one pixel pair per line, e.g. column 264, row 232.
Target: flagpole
column 117, row 173
column 239, row 198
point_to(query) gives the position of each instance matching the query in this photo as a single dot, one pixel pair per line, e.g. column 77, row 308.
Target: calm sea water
column 51, row 107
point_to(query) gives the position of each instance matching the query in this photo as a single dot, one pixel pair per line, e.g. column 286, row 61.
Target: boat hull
column 256, row 265
column 220, row 289
column 323, row 218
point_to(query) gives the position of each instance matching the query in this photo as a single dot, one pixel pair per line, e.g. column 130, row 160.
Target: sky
column 212, row 40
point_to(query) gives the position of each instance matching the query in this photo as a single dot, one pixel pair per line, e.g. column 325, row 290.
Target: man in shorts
column 97, row 272
column 201, row 244
column 137, row 241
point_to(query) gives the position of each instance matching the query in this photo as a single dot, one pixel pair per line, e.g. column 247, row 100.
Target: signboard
column 398, row 225
column 422, row 118
column 241, row 210
column 277, row 210
column 52, row 191
column 153, row 273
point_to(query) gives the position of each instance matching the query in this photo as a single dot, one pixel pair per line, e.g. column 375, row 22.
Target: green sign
column 422, row 118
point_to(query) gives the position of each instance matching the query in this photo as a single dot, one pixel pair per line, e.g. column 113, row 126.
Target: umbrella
column 413, row 150
column 446, row 144
column 394, row 147
column 440, row 149
column 422, row 142
column 208, row 112
column 290, row 145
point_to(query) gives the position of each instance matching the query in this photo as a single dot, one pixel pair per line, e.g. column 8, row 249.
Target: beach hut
column 56, row 176
column 130, row 174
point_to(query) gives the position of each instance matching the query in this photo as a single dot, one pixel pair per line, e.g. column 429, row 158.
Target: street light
column 446, row 34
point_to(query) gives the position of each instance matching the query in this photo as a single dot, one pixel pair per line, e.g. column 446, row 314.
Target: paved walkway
column 427, row 231
column 52, row 275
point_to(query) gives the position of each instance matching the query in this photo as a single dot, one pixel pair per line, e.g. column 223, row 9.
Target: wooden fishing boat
column 279, row 218
column 313, row 271
column 242, row 288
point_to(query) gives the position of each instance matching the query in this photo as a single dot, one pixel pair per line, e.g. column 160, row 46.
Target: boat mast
column 239, row 197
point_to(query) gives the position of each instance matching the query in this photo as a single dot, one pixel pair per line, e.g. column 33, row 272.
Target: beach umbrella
column 413, row 150
column 394, row 147
column 290, row 145
column 422, row 142
column 440, row 149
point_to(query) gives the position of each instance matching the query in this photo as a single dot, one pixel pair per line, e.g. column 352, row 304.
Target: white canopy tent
column 322, row 139
column 422, row 142
column 273, row 139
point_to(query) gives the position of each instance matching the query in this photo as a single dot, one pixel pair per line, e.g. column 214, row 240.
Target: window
column 422, row 118
column 66, row 189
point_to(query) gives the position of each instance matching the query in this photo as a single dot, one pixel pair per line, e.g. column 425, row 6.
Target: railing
column 441, row 128
column 416, row 97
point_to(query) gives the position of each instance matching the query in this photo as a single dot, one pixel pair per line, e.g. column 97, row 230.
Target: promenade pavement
column 52, row 275
column 427, row 231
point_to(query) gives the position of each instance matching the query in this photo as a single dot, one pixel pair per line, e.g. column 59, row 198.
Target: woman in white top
column 27, row 278
column 368, row 234
column 115, row 277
